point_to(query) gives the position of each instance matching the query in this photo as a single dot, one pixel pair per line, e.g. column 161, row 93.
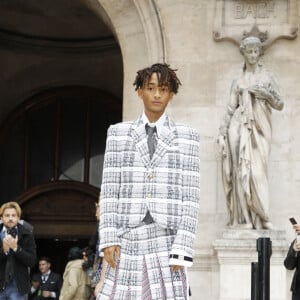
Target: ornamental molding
column 277, row 19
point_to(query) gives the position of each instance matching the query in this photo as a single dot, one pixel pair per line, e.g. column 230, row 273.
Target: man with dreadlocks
column 149, row 197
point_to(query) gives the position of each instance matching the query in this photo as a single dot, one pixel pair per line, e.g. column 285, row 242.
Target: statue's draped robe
column 248, row 132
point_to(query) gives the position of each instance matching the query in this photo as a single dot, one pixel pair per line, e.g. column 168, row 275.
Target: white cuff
column 180, row 258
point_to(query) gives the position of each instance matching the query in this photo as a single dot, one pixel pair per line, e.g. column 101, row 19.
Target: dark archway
column 57, row 135
column 52, row 149
column 51, row 145
column 61, row 209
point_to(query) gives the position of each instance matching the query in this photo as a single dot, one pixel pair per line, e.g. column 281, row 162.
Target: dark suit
column 52, row 284
column 291, row 262
column 23, row 259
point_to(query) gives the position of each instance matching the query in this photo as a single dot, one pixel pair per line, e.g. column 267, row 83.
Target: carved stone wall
column 276, row 17
column 187, row 35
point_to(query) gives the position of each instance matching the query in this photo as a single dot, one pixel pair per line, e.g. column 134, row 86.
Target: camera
column 13, row 232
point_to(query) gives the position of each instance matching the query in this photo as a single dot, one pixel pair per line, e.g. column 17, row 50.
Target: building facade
column 67, row 73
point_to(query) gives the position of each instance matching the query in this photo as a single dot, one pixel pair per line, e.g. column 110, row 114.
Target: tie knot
column 150, row 130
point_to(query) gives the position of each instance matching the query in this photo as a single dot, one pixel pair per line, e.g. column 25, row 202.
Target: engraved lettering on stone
column 262, row 10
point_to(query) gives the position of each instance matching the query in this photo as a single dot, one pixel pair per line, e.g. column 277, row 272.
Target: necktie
column 44, row 278
column 152, row 142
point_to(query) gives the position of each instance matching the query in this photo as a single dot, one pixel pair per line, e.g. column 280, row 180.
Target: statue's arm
column 275, row 100
column 231, row 107
column 268, row 91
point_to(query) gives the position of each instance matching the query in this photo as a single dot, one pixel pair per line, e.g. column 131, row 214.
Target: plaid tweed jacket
column 167, row 185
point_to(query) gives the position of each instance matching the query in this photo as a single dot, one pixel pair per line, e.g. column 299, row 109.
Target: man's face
column 155, row 98
column 44, row 266
column 10, row 218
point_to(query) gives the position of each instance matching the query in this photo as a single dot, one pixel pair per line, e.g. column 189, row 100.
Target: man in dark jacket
column 17, row 254
column 46, row 284
column 292, row 261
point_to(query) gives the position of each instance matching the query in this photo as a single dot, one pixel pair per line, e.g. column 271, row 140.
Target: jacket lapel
column 165, row 141
column 139, row 137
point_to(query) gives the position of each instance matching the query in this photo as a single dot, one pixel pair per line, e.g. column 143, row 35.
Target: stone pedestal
column 236, row 250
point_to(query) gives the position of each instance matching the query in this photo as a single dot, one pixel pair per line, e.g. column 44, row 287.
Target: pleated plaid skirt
column 143, row 272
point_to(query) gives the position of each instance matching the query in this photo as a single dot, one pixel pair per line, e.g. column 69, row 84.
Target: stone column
column 236, row 250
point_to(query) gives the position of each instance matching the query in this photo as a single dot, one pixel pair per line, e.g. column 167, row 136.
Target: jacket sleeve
column 182, row 251
column 290, row 262
column 72, row 284
column 110, row 191
column 26, row 251
column 58, row 285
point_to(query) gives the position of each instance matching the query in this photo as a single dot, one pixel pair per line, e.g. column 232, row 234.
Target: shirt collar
column 46, row 274
column 159, row 123
column 4, row 231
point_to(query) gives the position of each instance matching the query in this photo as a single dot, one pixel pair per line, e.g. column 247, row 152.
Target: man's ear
column 140, row 93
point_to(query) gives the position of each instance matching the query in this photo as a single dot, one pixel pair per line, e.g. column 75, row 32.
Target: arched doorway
column 139, row 33
column 52, row 148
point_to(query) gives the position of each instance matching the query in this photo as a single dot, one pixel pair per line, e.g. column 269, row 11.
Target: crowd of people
column 18, row 256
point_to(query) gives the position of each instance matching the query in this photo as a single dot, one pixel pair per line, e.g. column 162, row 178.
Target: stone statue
column 245, row 138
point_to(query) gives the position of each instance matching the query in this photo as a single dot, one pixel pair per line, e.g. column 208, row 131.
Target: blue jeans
column 11, row 292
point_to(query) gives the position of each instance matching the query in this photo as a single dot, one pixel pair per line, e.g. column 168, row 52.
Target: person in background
column 76, row 283
column 17, row 254
column 87, row 265
column 46, row 284
column 292, row 262
column 149, row 198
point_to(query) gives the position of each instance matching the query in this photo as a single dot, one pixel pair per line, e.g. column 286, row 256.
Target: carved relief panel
column 277, row 18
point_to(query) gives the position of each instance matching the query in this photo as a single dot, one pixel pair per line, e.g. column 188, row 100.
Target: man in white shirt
column 149, row 197
column 46, row 284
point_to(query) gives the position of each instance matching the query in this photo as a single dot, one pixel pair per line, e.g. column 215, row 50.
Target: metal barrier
column 260, row 271
column 254, row 281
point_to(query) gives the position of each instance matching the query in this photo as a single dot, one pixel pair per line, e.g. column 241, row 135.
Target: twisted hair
column 166, row 77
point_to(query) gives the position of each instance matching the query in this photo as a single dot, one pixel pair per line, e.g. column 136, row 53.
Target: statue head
column 251, row 41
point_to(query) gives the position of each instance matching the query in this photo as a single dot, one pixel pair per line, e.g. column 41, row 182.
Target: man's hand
column 35, row 284
column 9, row 243
column 5, row 246
column 296, row 246
column 175, row 268
column 46, row 294
column 112, row 253
column 297, row 227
